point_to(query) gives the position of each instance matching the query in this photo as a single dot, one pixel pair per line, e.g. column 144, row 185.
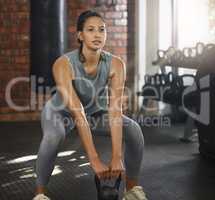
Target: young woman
column 82, row 78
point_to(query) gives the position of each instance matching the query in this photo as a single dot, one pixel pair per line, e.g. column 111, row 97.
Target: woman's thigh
column 55, row 122
column 101, row 126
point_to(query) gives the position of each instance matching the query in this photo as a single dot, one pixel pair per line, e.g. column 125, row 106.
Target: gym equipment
column 148, row 87
column 206, row 131
column 166, row 87
column 153, row 86
column 48, row 35
column 200, row 57
column 173, row 90
column 192, row 98
column 188, row 57
column 106, row 192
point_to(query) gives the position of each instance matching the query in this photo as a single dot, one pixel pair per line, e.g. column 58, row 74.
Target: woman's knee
column 54, row 138
column 53, row 130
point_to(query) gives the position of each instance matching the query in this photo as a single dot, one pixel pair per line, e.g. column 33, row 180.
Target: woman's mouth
column 96, row 42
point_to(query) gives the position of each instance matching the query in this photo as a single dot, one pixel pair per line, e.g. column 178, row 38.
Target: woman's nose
column 97, row 34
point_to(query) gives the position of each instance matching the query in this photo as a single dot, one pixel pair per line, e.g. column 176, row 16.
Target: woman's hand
column 100, row 169
column 116, row 167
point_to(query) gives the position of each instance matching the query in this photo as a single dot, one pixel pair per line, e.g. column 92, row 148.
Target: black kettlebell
column 106, row 192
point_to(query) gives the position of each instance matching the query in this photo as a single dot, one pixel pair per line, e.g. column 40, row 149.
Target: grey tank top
column 91, row 90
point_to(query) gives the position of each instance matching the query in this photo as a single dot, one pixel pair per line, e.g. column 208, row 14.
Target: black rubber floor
column 171, row 170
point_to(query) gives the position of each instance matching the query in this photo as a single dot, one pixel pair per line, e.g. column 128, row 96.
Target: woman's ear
column 80, row 36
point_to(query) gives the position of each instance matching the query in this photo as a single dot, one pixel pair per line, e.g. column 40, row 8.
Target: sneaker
column 136, row 193
column 41, row 197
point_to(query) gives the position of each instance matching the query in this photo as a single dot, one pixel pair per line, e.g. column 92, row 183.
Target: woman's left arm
column 117, row 83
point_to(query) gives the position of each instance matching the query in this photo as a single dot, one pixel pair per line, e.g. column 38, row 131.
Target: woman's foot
column 41, row 197
column 136, row 193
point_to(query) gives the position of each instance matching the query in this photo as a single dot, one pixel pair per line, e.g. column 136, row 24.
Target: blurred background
column 146, row 34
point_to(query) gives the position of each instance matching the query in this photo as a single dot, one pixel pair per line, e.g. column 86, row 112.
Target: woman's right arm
column 63, row 77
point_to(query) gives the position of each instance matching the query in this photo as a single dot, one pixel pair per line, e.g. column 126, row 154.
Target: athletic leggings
column 56, row 125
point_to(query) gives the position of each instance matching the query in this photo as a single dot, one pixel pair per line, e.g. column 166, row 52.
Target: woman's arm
column 117, row 81
column 63, row 78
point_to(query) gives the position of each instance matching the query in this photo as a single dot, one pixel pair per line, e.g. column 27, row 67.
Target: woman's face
column 94, row 33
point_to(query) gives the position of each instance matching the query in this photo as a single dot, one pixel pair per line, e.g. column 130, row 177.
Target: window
column 165, row 24
column 183, row 23
column 193, row 22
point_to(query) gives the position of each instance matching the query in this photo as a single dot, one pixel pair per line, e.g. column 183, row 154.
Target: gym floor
column 171, row 170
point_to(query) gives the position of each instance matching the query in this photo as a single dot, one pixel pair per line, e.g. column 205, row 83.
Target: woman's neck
column 92, row 57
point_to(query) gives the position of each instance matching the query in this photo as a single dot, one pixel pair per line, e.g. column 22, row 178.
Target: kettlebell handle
column 118, row 181
column 116, row 185
column 98, row 183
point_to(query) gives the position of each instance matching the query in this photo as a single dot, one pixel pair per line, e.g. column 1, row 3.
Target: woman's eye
column 92, row 29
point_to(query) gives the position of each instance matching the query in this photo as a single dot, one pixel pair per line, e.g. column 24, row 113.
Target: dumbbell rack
column 175, row 58
column 189, row 57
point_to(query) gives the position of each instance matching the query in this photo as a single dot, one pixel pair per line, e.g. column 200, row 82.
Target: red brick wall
column 14, row 48
column 14, row 45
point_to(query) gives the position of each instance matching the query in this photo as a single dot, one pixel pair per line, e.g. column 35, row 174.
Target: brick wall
column 14, row 50
column 14, row 46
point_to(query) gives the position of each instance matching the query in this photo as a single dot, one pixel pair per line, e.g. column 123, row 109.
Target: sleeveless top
column 91, row 90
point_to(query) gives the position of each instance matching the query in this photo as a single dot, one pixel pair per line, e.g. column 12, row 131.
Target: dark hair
column 80, row 25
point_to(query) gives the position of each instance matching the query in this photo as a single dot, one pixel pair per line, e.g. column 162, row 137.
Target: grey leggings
column 56, row 125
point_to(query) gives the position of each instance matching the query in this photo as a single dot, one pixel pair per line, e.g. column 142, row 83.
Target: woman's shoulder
column 68, row 60
column 72, row 53
column 116, row 64
column 113, row 58
column 111, row 55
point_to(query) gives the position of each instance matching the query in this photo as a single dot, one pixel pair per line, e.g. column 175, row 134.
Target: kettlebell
column 106, row 192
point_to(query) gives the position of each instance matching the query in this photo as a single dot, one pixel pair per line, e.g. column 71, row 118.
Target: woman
column 82, row 77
